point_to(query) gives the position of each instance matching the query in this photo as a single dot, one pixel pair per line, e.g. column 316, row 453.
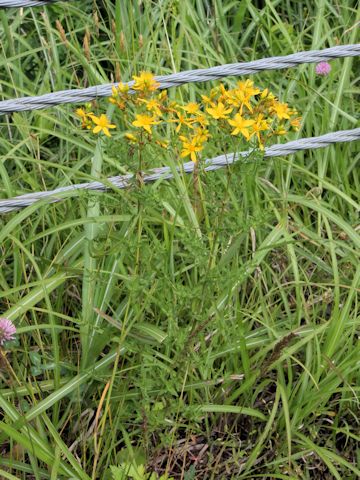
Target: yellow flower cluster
column 245, row 111
column 90, row 121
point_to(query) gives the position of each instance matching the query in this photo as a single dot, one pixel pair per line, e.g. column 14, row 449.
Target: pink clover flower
column 7, row 330
column 323, row 68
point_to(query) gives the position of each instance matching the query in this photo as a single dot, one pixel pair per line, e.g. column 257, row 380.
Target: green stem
column 88, row 328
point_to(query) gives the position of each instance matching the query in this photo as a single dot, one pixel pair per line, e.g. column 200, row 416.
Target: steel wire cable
column 123, row 181
column 176, row 79
column 166, row 81
column 25, row 3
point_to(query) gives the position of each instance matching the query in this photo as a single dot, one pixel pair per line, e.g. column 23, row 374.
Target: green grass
column 220, row 348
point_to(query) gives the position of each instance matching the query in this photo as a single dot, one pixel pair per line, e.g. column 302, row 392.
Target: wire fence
column 167, row 81
column 165, row 173
column 25, row 3
column 176, row 79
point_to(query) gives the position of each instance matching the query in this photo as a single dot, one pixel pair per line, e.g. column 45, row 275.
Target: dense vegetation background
column 220, row 348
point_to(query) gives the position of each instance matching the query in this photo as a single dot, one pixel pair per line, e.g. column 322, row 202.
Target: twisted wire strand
column 24, row 3
column 123, row 181
column 190, row 76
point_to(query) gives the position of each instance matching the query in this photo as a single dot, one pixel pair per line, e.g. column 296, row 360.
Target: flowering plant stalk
column 242, row 116
column 246, row 112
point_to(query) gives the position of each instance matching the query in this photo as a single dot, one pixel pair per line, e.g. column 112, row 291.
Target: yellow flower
column 152, row 105
column 202, row 120
column 224, row 94
column 192, row 108
column 241, row 125
column 295, row 123
column 145, row 82
column 122, row 88
column 85, row 117
column 281, row 110
column 207, row 100
column 267, row 95
column 190, row 147
column 102, row 124
column 247, row 88
column 259, row 126
column 201, row 135
column 241, row 95
column 181, row 120
column 219, row 111
column 239, row 98
column 120, row 95
column 80, row 112
column 162, row 96
column 145, row 122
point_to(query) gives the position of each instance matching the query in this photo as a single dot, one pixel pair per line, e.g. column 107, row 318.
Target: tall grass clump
column 200, row 328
